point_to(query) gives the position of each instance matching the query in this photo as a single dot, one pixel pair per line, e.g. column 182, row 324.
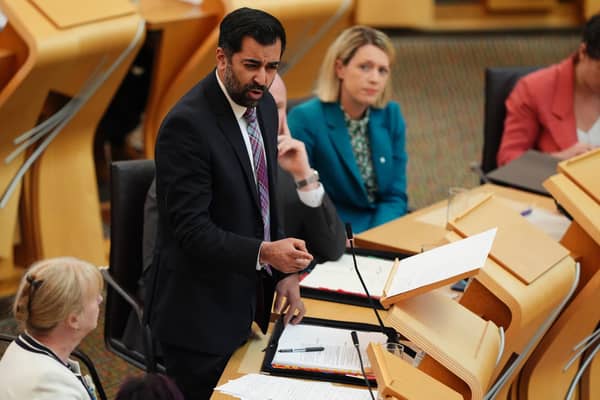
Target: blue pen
column 302, row 349
column 526, row 211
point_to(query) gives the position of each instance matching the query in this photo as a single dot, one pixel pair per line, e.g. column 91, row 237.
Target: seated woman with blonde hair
column 354, row 135
column 57, row 304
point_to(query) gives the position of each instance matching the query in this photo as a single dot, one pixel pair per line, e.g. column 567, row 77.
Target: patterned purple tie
column 260, row 167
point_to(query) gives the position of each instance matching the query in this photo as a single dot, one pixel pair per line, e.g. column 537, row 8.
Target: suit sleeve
column 521, row 126
column 184, row 189
column 324, row 231
column 394, row 201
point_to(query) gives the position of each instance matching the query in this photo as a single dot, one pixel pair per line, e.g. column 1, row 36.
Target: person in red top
column 556, row 109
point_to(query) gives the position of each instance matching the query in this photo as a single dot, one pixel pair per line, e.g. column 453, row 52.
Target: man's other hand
column 288, row 301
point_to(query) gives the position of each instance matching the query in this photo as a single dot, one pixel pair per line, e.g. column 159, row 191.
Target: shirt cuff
column 258, row 264
column 312, row 198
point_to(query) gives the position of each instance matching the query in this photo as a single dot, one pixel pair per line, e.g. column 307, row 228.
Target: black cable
column 362, row 367
column 371, row 302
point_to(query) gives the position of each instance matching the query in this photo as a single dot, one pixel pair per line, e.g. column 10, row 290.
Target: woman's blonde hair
column 343, row 49
column 53, row 289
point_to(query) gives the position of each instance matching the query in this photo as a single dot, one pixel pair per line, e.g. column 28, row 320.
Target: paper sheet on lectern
column 442, row 263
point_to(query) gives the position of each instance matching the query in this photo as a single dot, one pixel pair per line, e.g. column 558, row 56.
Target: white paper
column 339, row 354
column 3, row 20
column 553, row 224
column 340, row 275
column 262, row 387
column 442, row 262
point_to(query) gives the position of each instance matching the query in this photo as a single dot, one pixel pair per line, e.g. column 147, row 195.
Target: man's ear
column 221, row 59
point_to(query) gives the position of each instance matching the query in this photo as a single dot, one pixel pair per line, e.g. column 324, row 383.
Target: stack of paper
column 261, row 387
column 340, row 275
column 338, row 355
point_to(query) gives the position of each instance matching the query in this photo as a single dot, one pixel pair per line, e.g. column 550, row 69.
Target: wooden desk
column 427, row 225
column 248, row 358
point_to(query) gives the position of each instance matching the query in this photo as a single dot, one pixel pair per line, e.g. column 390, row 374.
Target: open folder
column 335, row 358
column 437, row 267
column 337, row 281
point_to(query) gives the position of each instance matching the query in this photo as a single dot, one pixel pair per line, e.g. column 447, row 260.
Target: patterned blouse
column 361, row 146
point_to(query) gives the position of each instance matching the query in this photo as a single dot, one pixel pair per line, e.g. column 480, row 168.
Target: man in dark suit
column 306, row 213
column 218, row 258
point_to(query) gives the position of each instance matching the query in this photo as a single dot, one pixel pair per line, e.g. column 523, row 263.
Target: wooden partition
column 555, row 363
column 178, row 30
column 65, row 61
column 475, row 14
column 525, row 284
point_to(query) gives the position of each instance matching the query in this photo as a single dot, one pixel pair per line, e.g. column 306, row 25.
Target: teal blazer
column 322, row 128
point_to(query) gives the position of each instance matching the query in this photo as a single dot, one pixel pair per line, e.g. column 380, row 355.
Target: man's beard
column 239, row 92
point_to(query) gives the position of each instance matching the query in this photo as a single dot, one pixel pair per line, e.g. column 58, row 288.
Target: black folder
column 352, row 298
column 526, row 172
column 316, row 375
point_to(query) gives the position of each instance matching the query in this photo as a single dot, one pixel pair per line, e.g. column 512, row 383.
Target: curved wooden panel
column 80, row 67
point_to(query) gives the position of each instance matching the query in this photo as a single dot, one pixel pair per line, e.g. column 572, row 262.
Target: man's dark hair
column 257, row 24
column 591, row 37
column 149, row 387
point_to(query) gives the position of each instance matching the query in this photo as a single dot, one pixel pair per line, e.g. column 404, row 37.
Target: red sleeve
column 521, row 126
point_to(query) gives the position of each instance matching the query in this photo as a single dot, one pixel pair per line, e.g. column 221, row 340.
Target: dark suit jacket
column 210, row 226
column 320, row 227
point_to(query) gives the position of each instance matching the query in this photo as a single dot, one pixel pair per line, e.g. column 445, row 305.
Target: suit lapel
column 562, row 105
column 338, row 133
column 231, row 130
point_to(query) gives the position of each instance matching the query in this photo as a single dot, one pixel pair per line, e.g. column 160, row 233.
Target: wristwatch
column 312, row 178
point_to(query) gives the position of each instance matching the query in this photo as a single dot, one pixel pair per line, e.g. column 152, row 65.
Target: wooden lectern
column 525, row 284
column 64, row 60
column 555, row 364
column 462, row 349
column 397, row 379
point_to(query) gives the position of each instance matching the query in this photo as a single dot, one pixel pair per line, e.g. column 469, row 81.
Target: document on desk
column 338, row 355
column 261, row 387
column 439, row 266
column 340, row 275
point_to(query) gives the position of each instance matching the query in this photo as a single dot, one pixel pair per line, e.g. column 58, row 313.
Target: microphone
column 350, row 237
column 362, row 367
column 409, row 351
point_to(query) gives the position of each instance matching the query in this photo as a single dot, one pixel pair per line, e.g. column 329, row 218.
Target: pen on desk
column 527, row 211
column 302, row 349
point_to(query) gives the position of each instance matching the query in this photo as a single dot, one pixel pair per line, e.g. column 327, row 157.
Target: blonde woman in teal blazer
column 354, row 135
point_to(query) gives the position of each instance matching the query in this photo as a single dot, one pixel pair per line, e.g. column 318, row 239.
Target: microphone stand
column 350, row 237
